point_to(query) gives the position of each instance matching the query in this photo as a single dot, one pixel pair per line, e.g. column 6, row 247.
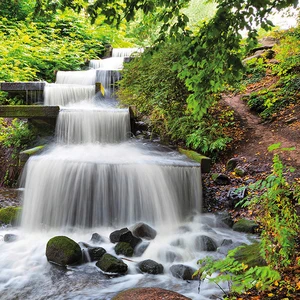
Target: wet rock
column 124, row 235
column 245, row 225
column 151, row 267
column 178, row 243
column 182, row 272
column 225, row 218
column 124, row 249
column 207, row 228
column 172, row 256
column 232, row 163
column 142, row 230
column 141, row 248
column 205, row 243
column 95, row 253
column 97, row 238
column 9, row 238
column 221, row 179
column 149, row 294
column 63, row 251
column 240, row 171
column 226, row 242
column 110, row 264
column 224, row 249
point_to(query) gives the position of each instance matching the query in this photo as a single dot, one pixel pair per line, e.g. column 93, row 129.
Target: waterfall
column 92, row 124
column 93, row 175
column 111, row 63
column 76, row 77
column 64, row 94
column 125, row 52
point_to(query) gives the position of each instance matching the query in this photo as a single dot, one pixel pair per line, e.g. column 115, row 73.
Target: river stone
column 110, row 264
column 232, row 163
column 224, row 249
column 221, row 179
column 124, row 249
column 240, row 171
column 151, row 267
column 95, row 253
column 97, row 238
column 182, row 272
column 142, row 230
column 141, row 248
column 9, row 237
column 225, row 218
column 124, row 235
column 149, row 294
column 205, row 243
column 245, row 225
column 63, row 251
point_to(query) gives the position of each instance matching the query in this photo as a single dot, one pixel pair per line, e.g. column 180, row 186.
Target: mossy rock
column 250, row 255
column 9, row 215
column 110, row 264
column 244, row 225
column 203, row 160
column 124, row 249
column 63, row 251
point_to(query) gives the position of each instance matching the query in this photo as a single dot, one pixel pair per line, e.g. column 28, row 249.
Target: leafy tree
column 212, row 56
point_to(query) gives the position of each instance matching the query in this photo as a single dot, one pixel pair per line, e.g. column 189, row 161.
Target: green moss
column 124, row 248
column 63, row 251
column 203, row 160
column 34, row 150
column 245, row 225
column 250, row 255
column 109, row 263
column 9, row 215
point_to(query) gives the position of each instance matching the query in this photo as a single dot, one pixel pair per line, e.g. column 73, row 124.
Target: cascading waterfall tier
column 92, row 124
column 76, row 77
column 111, row 63
column 64, row 94
column 89, row 186
column 125, row 52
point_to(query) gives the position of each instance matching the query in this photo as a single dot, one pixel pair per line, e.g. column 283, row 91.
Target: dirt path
column 260, row 136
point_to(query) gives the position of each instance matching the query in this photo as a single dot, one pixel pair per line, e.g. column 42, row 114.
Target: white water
column 111, row 63
column 76, row 77
column 64, row 94
column 125, row 52
column 108, row 79
column 89, row 182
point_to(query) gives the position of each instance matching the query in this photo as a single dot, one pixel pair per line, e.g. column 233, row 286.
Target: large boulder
column 149, row 294
column 124, row 235
column 151, row 267
column 95, row 253
column 182, row 272
column 124, row 249
column 205, row 243
column 110, row 264
column 142, row 230
column 63, row 251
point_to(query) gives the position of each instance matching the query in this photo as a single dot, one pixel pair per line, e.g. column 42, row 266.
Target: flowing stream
column 96, row 178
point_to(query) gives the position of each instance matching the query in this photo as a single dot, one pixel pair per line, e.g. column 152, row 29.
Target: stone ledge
column 22, row 86
column 28, row 111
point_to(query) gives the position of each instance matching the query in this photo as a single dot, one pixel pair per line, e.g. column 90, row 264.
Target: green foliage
column 16, row 134
column 150, row 84
column 9, row 215
column 278, row 216
column 240, row 276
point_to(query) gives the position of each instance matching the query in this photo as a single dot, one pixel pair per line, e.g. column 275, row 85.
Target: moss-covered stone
column 110, row 264
column 63, row 251
column 203, row 160
column 9, row 215
column 245, row 225
column 124, row 249
column 250, row 255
